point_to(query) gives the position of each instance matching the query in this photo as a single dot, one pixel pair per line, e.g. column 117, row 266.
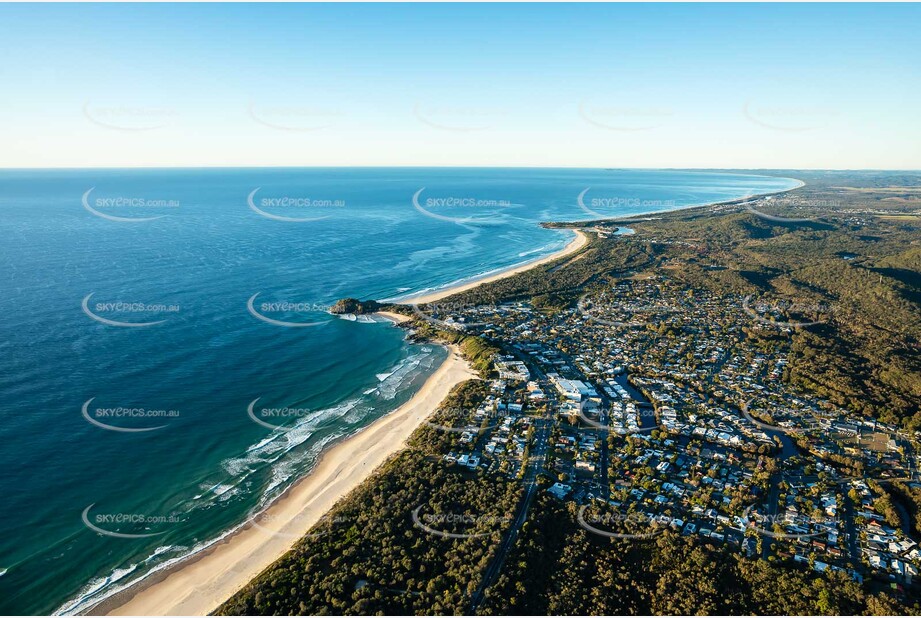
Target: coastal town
column 467, row 308
column 663, row 409
column 708, row 412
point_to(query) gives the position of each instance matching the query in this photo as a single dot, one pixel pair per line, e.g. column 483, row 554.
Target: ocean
column 167, row 364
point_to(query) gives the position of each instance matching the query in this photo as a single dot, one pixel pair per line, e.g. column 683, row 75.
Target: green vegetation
column 558, row 568
column 556, row 284
column 477, row 350
column 353, row 305
column 369, row 557
column 862, row 269
column 853, row 272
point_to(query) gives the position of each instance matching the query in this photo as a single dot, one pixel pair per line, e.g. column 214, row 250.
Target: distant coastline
column 197, row 585
column 214, row 573
column 580, row 240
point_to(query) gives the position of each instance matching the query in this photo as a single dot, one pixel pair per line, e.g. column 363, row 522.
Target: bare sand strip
column 577, row 243
column 198, row 586
column 399, row 318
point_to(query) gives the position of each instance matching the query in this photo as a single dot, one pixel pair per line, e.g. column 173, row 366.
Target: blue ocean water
column 166, row 363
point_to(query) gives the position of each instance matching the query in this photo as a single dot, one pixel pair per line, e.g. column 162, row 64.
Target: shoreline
column 574, row 245
column 219, row 571
column 580, row 240
column 396, row 318
column 646, row 216
column 201, row 583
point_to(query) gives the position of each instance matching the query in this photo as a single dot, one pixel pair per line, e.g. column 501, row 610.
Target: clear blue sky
column 621, row 85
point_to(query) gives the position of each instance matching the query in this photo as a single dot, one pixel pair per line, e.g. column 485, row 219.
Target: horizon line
column 575, row 167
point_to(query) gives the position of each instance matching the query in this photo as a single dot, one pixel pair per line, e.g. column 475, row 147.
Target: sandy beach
column 199, row 585
column 399, row 318
column 577, row 243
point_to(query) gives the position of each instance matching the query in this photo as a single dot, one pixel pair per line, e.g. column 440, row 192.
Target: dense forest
column 369, row 555
column 558, row 568
column 373, row 559
column 863, row 265
column 367, row 558
column 861, row 257
column 865, row 357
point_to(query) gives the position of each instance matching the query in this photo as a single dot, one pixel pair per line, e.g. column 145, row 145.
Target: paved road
column 850, row 528
column 535, row 464
column 538, row 455
column 772, row 507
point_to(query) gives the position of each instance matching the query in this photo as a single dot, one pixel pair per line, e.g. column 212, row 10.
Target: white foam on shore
column 77, row 604
column 284, row 440
column 270, row 450
column 546, row 250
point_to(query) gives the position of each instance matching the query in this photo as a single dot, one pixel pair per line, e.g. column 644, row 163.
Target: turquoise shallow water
column 162, row 436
